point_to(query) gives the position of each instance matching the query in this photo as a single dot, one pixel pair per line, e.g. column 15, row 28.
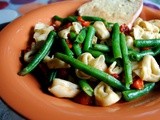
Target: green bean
column 92, row 18
column 57, row 18
column 147, row 43
column 51, row 75
column 156, row 50
column 66, row 48
column 95, row 53
column 101, row 47
column 77, row 49
column 98, row 74
column 126, row 62
column 137, row 56
column 65, row 20
column 89, row 36
column 109, row 59
column 116, row 41
column 72, row 36
column 69, row 19
column 133, row 94
column 86, row 87
column 81, row 36
column 40, row 55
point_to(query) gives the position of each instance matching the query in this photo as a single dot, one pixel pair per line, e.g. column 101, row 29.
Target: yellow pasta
column 104, row 95
column 101, row 30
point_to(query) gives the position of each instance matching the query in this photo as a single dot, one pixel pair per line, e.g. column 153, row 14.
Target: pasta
column 88, row 59
column 104, row 95
column 101, row 30
column 148, row 69
column 76, row 26
column 63, row 88
column 54, row 63
column 41, row 31
column 146, row 30
column 71, row 70
column 113, row 69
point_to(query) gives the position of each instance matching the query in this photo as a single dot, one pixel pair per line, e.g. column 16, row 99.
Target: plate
column 24, row 94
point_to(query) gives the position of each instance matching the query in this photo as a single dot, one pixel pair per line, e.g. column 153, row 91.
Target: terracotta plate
column 24, row 94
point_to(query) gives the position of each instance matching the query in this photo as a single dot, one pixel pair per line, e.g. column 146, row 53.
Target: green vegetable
column 100, row 47
column 100, row 75
column 89, row 36
column 126, row 62
column 137, row 56
column 116, row 41
column 57, row 18
column 156, row 50
column 86, row 87
column 72, row 36
column 65, row 20
column 147, row 43
column 133, row 94
column 40, row 55
column 92, row 18
column 66, row 48
column 51, row 75
column 95, row 53
column 81, row 36
column 77, row 49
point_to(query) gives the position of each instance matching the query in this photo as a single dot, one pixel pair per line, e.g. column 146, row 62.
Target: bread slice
column 121, row 11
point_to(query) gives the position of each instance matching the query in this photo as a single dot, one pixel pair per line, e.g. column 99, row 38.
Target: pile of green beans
column 115, row 50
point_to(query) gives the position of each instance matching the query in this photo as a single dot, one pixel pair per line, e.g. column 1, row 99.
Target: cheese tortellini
column 113, row 69
column 54, row 63
column 41, row 31
column 148, row 69
column 76, row 26
column 88, row 59
column 145, row 30
column 101, row 30
column 104, row 95
column 62, row 88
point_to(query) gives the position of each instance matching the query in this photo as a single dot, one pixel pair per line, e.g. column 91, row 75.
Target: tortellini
column 88, row 59
column 64, row 33
column 101, row 30
column 63, row 89
column 41, row 31
column 113, row 69
column 148, row 69
column 76, row 27
column 104, row 95
column 54, row 63
column 145, row 29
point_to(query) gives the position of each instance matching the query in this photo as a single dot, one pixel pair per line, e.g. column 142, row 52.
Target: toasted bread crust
column 121, row 11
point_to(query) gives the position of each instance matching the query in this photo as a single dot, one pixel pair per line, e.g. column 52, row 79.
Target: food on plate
column 121, row 11
column 95, row 62
column 98, row 57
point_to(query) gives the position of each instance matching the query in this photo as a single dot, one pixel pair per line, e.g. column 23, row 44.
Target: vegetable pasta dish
column 94, row 62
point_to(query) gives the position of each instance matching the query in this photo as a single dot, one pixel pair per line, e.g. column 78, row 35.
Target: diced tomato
column 69, row 44
column 85, row 23
column 124, row 29
column 138, row 83
column 83, row 98
column 80, row 19
column 146, row 48
column 115, row 76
